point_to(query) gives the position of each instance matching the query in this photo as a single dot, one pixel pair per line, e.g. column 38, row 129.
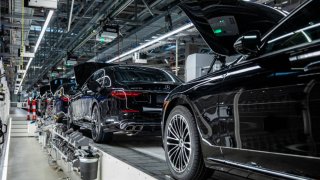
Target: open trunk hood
column 44, row 89
column 221, row 22
column 85, row 70
column 56, row 83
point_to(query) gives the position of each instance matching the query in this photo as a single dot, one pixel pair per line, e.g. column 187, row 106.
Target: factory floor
column 27, row 160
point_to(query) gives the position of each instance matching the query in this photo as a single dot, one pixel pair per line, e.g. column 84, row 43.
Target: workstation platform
column 126, row 157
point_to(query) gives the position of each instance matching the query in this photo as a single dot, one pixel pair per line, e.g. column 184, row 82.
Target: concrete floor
column 18, row 112
column 27, row 161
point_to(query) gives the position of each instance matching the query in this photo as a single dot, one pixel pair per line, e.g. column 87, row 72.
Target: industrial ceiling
column 74, row 35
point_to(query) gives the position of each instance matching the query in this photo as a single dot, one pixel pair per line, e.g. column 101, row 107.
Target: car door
column 85, row 102
column 104, row 101
column 90, row 96
column 220, row 23
column 272, row 100
column 75, row 106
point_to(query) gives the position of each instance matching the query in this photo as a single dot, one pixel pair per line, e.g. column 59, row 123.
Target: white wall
column 4, row 105
column 194, row 65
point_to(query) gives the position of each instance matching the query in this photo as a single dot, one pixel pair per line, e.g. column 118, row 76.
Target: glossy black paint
column 262, row 112
column 120, row 114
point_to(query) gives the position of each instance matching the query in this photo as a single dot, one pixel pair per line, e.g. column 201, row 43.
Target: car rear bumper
column 133, row 123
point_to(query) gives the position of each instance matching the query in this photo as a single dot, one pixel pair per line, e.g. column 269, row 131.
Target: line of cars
column 259, row 113
column 109, row 98
column 119, row 98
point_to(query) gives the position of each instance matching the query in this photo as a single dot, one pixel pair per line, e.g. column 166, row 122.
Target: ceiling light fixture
column 45, row 25
column 182, row 28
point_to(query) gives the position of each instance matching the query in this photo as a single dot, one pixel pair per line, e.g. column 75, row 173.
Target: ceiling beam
column 26, row 16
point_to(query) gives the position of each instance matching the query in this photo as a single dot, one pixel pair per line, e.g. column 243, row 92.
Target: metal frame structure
column 73, row 29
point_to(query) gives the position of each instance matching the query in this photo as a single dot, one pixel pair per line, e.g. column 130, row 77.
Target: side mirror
column 248, row 43
column 94, row 86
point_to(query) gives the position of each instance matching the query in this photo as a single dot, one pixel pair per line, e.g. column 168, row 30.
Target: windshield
column 143, row 75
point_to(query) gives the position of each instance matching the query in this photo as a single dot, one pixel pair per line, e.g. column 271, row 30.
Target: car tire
column 98, row 135
column 184, row 146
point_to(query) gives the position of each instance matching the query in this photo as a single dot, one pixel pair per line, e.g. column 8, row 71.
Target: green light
column 101, row 39
column 217, row 31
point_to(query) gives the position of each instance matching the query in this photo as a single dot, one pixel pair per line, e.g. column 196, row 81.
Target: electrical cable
column 22, row 34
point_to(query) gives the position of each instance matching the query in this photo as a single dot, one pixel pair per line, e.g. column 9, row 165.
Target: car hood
column 83, row 71
column 220, row 23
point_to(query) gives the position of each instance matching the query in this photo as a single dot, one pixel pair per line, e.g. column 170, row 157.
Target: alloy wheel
column 95, row 123
column 178, row 143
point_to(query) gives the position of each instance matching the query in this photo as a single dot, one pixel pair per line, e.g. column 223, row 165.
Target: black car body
column 261, row 113
column 62, row 88
column 119, row 98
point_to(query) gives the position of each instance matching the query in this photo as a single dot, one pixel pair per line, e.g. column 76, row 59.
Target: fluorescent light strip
column 152, row 42
column 45, row 25
column 70, row 17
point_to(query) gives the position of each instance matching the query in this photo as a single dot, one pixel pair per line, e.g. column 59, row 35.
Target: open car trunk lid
column 56, row 83
column 220, row 23
column 44, row 89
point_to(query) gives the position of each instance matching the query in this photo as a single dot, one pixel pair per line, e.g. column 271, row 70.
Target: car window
column 143, row 75
column 97, row 76
column 107, row 81
column 302, row 28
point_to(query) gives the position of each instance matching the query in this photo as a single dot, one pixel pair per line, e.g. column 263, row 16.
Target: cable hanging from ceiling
column 22, row 35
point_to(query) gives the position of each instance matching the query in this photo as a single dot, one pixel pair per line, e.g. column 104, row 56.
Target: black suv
column 260, row 113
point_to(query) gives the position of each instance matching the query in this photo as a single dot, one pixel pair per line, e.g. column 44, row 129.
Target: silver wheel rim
column 95, row 125
column 178, row 143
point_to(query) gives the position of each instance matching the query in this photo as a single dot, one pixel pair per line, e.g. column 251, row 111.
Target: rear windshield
column 144, row 75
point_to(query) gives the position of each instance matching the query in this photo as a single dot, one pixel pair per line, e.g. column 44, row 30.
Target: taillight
column 65, row 99
column 124, row 94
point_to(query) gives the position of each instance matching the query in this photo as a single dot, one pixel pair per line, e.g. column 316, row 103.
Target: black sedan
column 119, row 98
column 260, row 113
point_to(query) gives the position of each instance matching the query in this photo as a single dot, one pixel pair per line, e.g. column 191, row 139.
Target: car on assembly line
column 119, row 98
column 62, row 89
column 259, row 115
